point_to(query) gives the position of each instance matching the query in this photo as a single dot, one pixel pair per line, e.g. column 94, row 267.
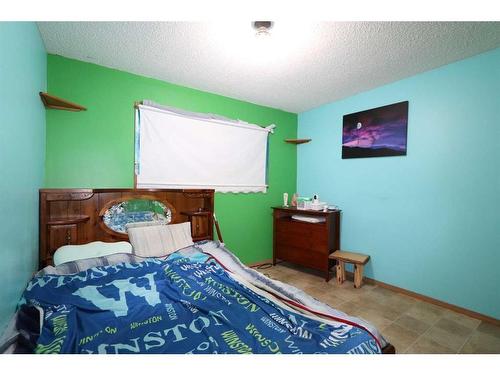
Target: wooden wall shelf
column 51, row 101
column 297, row 141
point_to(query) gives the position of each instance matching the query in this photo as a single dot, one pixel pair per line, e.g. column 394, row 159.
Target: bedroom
column 417, row 216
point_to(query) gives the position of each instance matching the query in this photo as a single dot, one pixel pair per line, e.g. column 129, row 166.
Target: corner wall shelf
column 51, row 101
column 297, row 141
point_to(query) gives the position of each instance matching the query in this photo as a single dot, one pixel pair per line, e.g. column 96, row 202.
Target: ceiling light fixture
column 262, row 28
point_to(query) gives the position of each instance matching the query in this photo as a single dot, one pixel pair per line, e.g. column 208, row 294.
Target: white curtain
column 179, row 149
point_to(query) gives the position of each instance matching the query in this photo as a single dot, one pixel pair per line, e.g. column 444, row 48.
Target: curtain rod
column 203, row 116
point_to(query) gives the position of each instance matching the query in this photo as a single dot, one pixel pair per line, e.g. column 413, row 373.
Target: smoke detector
column 262, row 28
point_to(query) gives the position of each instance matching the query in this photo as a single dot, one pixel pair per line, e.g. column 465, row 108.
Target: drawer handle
column 68, row 236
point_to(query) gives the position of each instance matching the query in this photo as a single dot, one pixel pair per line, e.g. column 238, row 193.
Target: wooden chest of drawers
column 303, row 243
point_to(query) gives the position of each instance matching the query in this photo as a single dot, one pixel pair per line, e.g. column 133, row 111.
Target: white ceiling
column 299, row 67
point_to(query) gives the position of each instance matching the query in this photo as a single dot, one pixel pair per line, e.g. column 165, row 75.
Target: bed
column 195, row 299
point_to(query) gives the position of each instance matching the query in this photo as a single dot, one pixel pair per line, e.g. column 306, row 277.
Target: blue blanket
column 178, row 305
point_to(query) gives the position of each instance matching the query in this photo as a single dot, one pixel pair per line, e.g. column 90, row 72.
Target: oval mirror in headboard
column 116, row 214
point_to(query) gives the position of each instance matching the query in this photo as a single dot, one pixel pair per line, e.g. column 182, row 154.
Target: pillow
column 69, row 253
column 159, row 240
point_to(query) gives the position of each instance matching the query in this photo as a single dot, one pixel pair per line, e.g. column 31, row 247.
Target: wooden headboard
column 75, row 216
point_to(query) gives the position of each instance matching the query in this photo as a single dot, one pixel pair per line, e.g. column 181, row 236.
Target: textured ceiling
column 299, row 67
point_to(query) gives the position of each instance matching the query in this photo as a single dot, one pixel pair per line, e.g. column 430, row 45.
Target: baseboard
column 458, row 309
column 367, row 280
column 261, row 263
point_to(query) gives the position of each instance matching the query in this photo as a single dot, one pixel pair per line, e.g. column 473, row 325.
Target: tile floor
column 411, row 325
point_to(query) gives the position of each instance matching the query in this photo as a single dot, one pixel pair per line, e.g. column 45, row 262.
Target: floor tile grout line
column 353, row 296
column 434, row 325
column 423, row 333
column 394, row 322
column 468, row 336
column 466, row 341
column 419, row 335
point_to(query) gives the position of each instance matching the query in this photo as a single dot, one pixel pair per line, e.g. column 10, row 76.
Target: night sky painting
column 376, row 132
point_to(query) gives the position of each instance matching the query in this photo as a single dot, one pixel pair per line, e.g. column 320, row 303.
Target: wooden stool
column 358, row 260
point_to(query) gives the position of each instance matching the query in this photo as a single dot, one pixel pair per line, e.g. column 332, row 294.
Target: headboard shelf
column 76, row 216
column 195, row 239
column 196, row 213
column 68, row 220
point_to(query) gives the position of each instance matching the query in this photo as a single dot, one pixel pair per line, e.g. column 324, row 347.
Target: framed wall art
column 375, row 132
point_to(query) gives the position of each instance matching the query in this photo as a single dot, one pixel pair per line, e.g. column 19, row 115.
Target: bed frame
column 389, row 349
column 74, row 216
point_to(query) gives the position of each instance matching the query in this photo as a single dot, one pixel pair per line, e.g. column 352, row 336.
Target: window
column 179, row 149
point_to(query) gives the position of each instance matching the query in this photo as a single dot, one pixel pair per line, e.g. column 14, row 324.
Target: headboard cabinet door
column 60, row 235
column 199, row 227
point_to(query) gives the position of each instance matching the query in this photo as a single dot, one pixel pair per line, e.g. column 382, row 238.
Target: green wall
column 22, row 148
column 95, row 148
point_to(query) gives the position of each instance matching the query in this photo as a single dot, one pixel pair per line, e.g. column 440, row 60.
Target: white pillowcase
column 69, row 253
column 159, row 240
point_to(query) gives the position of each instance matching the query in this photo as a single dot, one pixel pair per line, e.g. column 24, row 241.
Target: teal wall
column 430, row 220
column 22, row 154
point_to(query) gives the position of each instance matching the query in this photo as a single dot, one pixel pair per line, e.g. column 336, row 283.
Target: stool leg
column 340, row 272
column 358, row 275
